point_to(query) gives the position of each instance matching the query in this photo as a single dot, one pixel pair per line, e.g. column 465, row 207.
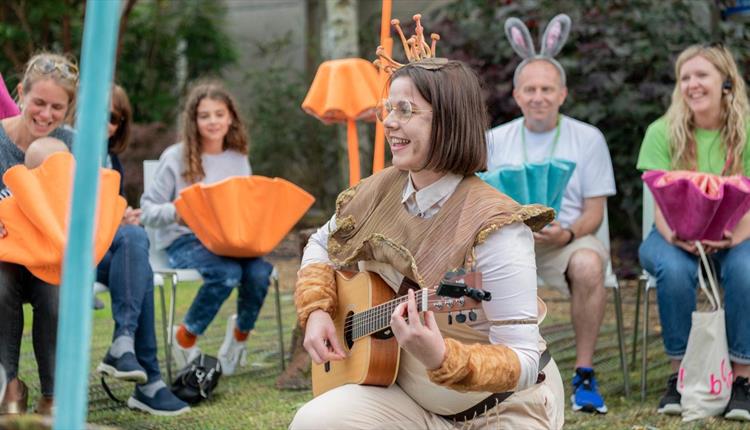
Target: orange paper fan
column 243, row 216
column 36, row 215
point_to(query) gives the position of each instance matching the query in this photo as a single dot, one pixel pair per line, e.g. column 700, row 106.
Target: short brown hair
column 235, row 139
column 458, row 143
column 121, row 106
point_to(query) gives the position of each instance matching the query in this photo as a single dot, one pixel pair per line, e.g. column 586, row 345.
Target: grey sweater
column 10, row 154
column 157, row 201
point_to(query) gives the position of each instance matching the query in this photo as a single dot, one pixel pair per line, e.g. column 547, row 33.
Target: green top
column 711, row 154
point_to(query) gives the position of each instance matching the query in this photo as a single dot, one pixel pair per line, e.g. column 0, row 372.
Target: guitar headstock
column 462, row 283
column 458, row 291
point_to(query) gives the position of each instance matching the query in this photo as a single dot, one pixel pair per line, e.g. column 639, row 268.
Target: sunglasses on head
column 717, row 45
column 46, row 65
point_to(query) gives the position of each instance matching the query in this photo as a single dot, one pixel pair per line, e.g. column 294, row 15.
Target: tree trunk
column 124, row 25
column 340, row 40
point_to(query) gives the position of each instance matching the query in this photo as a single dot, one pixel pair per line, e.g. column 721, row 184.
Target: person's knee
column 227, row 273
column 258, row 272
column 736, row 264
column 309, row 417
column 585, row 270
column 134, row 236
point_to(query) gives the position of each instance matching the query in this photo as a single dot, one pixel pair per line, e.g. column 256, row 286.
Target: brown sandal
column 44, row 405
column 16, row 407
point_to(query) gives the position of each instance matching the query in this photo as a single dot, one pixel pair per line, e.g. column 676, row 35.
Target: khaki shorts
column 552, row 262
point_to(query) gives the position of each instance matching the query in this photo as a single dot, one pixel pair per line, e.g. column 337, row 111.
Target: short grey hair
column 535, row 58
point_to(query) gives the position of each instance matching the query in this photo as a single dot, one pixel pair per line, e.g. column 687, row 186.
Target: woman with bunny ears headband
column 568, row 255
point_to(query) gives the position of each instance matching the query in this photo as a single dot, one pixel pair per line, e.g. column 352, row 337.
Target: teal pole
column 74, row 327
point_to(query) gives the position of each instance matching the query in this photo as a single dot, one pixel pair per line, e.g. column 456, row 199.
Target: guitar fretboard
column 378, row 317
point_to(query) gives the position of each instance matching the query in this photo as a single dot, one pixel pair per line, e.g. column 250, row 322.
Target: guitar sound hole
column 348, row 339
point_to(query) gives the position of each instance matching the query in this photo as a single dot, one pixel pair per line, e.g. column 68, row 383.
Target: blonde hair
column 61, row 69
column 236, row 138
column 734, row 111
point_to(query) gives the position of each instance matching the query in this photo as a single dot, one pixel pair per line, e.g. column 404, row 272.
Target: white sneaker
column 232, row 351
column 182, row 356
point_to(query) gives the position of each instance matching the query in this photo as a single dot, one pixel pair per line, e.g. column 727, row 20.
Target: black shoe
column 125, row 368
column 164, row 403
column 739, row 404
column 670, row 401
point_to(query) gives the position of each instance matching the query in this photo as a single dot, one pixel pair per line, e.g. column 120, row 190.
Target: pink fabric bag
column 699, row 206
column 8, row 107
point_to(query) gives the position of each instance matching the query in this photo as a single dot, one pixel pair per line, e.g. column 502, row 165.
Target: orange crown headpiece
column 418, row 52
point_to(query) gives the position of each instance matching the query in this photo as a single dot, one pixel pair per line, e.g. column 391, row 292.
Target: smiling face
column 700, row 86
column 540, row 94
column 44, row 107
column 213, row 120
column 409, row 140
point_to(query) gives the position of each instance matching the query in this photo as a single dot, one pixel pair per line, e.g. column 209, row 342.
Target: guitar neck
column 378, row 317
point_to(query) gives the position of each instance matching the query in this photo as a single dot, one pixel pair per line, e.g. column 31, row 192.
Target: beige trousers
column 552, row 262
column 364, row 407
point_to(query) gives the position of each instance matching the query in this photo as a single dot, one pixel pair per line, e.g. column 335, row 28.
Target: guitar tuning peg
column 472, row 315
column 461, row 318
column 450, row 319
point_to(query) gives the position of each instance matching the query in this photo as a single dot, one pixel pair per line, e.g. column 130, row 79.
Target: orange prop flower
column 243, row 216
column 344, row 91
column 36, row 215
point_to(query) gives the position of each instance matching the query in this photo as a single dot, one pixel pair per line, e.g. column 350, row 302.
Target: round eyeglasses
column 402, row 110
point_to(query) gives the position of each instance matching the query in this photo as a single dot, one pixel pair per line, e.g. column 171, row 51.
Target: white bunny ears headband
column 555, row 36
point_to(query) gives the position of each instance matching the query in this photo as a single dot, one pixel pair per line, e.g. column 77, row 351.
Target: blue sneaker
column 586, row 396
column 163, row 403
column 125, row 368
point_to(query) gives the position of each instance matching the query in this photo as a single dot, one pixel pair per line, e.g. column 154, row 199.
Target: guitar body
column 371, row 360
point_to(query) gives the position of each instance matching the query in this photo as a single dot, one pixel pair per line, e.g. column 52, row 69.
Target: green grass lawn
column 250, row 400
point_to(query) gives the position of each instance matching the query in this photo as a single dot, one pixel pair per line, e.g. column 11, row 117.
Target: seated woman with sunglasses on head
column 126, row 271
column 46, row 93
column 411, row 223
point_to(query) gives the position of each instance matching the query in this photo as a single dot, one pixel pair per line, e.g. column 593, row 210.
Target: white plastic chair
column 162, row 269
column 647, row 282
column 610, row 281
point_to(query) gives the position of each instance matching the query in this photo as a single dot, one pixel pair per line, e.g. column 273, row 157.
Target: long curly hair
column 236, row 138
column 734, row 112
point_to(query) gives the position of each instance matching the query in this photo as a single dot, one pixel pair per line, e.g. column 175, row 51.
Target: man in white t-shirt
column 568, row 255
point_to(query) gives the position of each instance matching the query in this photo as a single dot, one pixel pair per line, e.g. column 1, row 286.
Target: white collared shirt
column 506, row 261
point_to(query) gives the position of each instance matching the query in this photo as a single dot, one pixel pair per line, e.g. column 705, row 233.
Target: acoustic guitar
column 363, row 317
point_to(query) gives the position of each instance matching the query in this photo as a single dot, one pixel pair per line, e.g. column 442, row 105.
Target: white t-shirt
column 579, row 142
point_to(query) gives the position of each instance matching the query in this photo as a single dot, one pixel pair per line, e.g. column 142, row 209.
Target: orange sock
column 240, row 336
column 184, row 338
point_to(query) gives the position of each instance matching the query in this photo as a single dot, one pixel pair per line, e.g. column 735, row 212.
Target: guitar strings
column 381, row 313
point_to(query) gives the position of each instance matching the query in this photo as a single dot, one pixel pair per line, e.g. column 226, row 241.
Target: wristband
column 572, row 236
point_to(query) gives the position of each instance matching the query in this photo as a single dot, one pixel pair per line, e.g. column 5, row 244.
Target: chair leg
column 636, row 321
column 165, row 332
column 644, row 352
column 279, row 323
column 170, row 323
column 621, row 342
